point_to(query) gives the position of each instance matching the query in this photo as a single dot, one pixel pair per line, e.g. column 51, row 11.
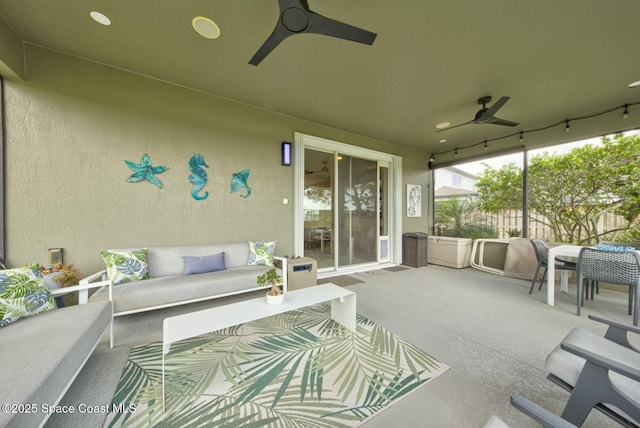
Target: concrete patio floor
column 487, row 328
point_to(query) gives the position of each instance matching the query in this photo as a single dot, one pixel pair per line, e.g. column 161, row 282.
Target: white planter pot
column 275, row 300
column 50, row 282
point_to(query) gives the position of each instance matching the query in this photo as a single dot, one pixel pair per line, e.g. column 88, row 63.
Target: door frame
column 304, row 141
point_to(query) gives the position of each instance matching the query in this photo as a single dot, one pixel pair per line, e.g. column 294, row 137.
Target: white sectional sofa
column 168, row 285
column 42, row 355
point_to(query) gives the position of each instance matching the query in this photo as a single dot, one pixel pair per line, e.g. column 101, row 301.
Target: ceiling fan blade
column 495, row 107
column 454, row 126
column 286, row 4
column 503, row 122
column 330, row 27
column 277, row 36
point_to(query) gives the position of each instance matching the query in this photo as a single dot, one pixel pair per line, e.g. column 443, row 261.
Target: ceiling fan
column 296, row 18
column 487, row 115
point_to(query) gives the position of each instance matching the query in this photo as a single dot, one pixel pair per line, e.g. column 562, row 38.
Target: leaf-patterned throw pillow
column 261, row 253
column 22, row 294
column 126, row 266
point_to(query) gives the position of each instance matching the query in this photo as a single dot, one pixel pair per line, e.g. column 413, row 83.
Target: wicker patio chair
column 594, row 284
column 542, row 255
column 613, row 267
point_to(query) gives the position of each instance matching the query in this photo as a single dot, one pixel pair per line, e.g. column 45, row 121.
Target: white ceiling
column 431, row 60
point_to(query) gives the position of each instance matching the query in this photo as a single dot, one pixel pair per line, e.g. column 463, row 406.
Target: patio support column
column 525, row 193
column 2, row 204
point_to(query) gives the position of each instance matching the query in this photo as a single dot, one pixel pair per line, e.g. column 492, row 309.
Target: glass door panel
column 357, row 211
column 318, row 206
column 383, row 209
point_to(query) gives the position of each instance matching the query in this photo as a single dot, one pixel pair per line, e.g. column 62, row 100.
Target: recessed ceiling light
column 443, row 140
column 634, row 84
column 442, row 125
column 206, row 27
column 100, row 18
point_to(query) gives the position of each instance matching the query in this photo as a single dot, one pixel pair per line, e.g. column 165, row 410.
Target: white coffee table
column 180, row 327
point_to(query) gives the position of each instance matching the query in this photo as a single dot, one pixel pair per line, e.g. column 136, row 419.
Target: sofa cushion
column 168, row 261
column 41, row 355
column 204, row 264
column 22, row 293
column 261, row 253
column 171, row 290
column 126, row 266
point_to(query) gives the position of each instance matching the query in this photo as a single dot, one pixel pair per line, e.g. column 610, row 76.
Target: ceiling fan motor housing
column 295, row 20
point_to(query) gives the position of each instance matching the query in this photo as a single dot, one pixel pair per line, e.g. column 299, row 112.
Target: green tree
column 572, row 191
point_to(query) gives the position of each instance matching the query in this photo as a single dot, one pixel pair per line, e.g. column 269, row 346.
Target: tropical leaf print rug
column 299, row 368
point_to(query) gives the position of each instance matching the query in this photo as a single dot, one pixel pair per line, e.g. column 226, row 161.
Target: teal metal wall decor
column 198, row 176
column 145, row 171
column 239, row 180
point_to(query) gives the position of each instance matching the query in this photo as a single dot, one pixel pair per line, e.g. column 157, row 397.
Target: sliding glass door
column 346, row 208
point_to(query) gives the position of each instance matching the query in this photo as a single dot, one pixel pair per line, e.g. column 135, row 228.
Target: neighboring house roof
column 461, row 172
column 448, row 191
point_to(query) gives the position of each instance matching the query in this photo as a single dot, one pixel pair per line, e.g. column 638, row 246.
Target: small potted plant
column 58, row 275
column 272, row 279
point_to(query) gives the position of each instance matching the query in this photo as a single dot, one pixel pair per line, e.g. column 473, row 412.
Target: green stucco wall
column 12, row 52
column 70, row 126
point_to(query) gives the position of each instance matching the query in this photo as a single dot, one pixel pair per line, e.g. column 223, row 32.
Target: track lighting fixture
column 625, row 114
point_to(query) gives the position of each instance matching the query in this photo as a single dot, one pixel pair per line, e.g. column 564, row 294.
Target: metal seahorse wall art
column 198, row 176
column 145, row 171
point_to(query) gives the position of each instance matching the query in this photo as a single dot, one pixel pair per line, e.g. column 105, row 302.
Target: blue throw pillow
column 212, row 263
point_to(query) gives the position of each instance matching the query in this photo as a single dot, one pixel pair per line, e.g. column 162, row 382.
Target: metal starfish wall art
column 145, row 171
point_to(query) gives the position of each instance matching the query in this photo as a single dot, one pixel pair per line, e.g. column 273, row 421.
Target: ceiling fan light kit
column 296, row 18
